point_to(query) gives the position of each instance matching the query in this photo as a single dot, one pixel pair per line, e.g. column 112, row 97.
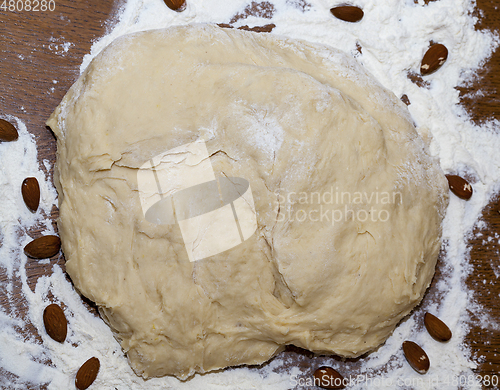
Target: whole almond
column 328, row 378
column 43, row 247
column 87, row 373
column 55, row 322
column 416, row 356
column 7, row 131
column 31, row 193
column 176, row 5
column 433, row 59
column 437, row 328
column 459, row 186
column 348, row 13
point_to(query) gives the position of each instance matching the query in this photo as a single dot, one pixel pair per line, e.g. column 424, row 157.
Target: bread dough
column 292, row 118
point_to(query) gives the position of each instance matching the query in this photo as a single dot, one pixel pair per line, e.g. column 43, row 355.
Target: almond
column 328, row 378
column 437, row 328
column 348, row 13
column 43, row 247
column 31, row 193
column 459, row 186
column 266, row 28
column 176, row 5
column 433, row 59
column 87, row 373
column 7, row 131
column 55, row 322
column 416, row 356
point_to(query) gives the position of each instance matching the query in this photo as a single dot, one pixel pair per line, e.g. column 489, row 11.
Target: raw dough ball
column 299, row 121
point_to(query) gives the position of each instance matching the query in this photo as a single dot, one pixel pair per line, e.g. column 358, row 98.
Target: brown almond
column 433, row 59
column 416, row 356
column 31, row 193
column 43, row 247
column 55, row 322
column 328, row 378
column 7, row 131
column 176, row 5
column 266, row 28
column 437, row 328
column 348, row 13
column 459, row 186
column 87, row 373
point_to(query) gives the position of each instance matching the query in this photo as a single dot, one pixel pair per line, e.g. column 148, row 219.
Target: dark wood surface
column 32, row 56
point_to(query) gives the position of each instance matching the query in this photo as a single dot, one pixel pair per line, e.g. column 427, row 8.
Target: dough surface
column 293, row 119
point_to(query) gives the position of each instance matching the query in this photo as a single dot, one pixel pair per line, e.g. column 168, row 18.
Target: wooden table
column 33, row 55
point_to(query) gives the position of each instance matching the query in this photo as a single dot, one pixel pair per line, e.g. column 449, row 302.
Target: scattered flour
column 59, row 46
column 392, row 37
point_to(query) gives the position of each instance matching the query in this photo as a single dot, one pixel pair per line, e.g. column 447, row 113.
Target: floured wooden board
column 41, row 56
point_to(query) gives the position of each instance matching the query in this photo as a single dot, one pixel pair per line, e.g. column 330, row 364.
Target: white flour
column 393, row 37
